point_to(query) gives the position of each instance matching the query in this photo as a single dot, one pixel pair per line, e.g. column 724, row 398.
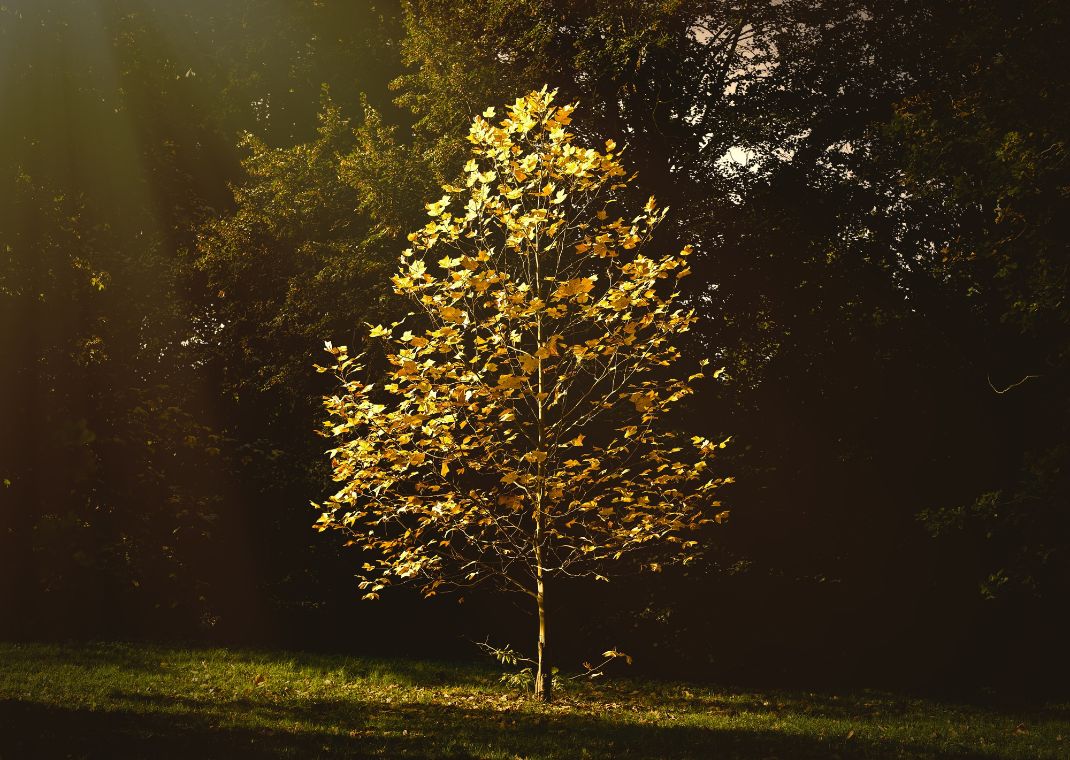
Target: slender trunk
column 544, row 674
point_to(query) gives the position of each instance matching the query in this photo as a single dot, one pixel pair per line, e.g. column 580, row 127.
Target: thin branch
column 1012, row 385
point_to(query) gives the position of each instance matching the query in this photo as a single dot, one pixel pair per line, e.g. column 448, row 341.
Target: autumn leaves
column 518, row 434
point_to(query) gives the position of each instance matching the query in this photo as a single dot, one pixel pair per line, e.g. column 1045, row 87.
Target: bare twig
column 1011, row 386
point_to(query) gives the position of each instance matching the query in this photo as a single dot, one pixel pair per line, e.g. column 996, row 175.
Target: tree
column 128, row 461
column 984, row 143
column 516, row 436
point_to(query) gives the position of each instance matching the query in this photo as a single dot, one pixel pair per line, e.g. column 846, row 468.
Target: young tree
column 515, row 438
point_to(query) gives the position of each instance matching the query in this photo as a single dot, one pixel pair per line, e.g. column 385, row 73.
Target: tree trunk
column 543, row 675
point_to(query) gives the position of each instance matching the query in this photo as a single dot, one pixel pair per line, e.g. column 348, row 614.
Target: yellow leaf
column 577, row 288
column 620, row 300
column 642, row 401
column 510, row 381
column 451, row 314
column 436, row 208
column 548, row 349
column 528, row 363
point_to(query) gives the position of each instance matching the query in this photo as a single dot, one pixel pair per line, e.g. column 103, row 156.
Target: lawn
column 133, row 701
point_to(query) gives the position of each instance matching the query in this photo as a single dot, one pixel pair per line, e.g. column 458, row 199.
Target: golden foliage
column 516, row 435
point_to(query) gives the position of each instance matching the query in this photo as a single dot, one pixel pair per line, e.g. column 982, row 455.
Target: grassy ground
column 124, row 701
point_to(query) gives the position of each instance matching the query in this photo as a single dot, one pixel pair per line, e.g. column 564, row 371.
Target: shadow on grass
column 225, row 730
column 88, row 656
column 406, row 672
column 810, row 705
column 142, row 658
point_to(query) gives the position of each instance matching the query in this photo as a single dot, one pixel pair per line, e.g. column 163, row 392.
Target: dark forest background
column 195, row 195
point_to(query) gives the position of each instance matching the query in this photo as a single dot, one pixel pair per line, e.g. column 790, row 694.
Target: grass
column 132, row 701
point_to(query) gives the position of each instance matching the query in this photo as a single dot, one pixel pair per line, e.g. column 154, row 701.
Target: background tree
column 984, row 144
column 145, row 451
column 516, row 438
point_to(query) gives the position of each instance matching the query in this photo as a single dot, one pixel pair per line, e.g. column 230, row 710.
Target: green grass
column 126, row 701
